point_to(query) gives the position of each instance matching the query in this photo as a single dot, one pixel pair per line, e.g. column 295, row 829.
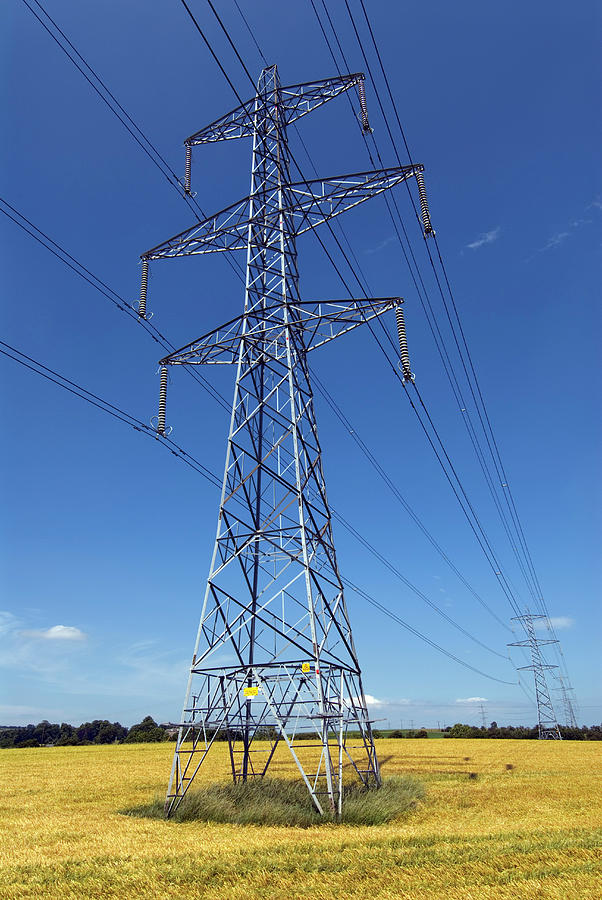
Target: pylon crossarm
column 321, row 323
column 307, row 204
column 300, row 99
column 315, row 202
column 226, row 230
column 325, row 321
column 237, row 123
column 296, row 100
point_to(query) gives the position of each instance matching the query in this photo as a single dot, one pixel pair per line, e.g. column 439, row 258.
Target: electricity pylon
column 565, row 689
column 547, row 723
column 274, row 656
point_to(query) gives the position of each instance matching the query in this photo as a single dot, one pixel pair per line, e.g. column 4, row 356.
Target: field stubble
column 527, row 826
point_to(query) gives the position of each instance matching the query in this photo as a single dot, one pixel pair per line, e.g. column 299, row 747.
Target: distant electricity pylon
column 274, row 657
column 570, row 719
column 547, row 723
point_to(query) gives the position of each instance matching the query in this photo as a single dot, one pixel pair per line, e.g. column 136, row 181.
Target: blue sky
column 106, row 538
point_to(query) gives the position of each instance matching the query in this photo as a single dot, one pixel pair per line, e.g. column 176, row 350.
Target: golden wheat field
column 528, row 831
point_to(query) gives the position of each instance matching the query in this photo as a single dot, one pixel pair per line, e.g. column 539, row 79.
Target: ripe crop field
column 529, row 831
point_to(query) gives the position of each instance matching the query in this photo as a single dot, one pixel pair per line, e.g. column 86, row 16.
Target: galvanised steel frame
column 274, row 656
column 547, row 723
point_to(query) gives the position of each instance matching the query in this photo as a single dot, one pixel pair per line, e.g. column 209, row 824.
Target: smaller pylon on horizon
column 547, row 722
column 565, row 689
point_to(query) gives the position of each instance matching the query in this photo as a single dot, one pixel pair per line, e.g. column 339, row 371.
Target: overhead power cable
column 109, row 99
column 468, row 509
column 117, row 413
column 95, row 282
column 116, row 299
column 353, row 433
column 472, row 433
column 336, row 515
column 530, row 576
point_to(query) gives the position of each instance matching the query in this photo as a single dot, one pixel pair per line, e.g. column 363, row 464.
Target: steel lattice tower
column 274, row 600
column 565, row 689
column 547, row 723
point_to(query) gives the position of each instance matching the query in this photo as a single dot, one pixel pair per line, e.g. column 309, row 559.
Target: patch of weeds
column 274, row 801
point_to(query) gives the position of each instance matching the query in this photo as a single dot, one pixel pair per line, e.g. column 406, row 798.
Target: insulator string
column 162, row 400
column 188, row 168
column 424, row 206
column 143, row 289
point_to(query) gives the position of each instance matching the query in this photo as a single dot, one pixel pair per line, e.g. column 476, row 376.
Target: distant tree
column 110, row 733
column 459, row 730
column 397, row 734
column 422, row 733
column 145, row 732
column 45, row 733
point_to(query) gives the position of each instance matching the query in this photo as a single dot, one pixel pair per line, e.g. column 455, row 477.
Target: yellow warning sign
column 305, row 667
column 251, row 691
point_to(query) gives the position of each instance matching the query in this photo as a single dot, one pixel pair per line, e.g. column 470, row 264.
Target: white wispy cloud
column 560, row 237
column 472, row 700
column 57, row 633
column 555, row 241
column 381, row 246
column 488, row 237
column 557, row 622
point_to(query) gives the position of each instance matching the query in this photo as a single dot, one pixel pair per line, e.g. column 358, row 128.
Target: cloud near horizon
column 57, row 633
column 488, row 237
column 472, row 700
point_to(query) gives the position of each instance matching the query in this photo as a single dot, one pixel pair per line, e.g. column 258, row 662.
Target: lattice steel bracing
column 274, row 656
column 547, row 723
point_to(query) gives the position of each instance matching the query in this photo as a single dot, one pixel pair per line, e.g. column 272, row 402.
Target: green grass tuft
column 274, row 801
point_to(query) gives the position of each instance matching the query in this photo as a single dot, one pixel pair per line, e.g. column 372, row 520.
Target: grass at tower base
column 530, row 831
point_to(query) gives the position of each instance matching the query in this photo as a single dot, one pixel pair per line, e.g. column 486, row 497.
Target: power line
column 138, row 425
column 238, row 55
column 494, row 564
column 532, row 580
column 116, row 299
column 351, row 430
column 103, row 288
column 109, row 99
column 116, row 412
column 476, row 444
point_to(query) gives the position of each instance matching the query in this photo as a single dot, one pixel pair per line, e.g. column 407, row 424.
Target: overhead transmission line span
column 118, row 413
column 424, row 221
column 273, row 461
column 137, row 424
column 99, row 285
column 526, row 562
column 467, row 509
column 99, row 86
column 177, row 182
column 320, row 386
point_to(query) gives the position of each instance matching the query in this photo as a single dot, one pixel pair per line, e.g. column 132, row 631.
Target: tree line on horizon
column 521, row 732
column 101, row 731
